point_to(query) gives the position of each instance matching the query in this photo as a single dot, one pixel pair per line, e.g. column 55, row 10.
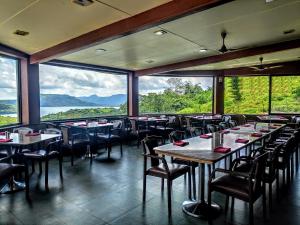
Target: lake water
column 49, row 110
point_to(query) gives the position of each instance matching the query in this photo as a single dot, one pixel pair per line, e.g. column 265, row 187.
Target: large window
column 285, row 94
column 68, row 93
column 246, row 95
column 8, row 91
column 175, row 95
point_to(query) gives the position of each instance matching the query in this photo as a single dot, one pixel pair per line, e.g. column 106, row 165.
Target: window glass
column 246, row 95
column 285, row 94
column 9, row 91
column 159, row 94
column 68, row 93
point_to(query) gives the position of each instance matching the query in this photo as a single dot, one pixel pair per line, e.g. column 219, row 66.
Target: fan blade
column 273, row 67
column 255, row 68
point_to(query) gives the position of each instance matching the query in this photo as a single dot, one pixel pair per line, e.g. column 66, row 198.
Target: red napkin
column 32, row 134
column 225, row 132
column 247, row 125
column 221, row 149
column 265, row 130
column 180, row 143
column 256, row 135
column 6, row 140
column 206, row 136
column 2, row 133
column 241, row 140
column 235, row 128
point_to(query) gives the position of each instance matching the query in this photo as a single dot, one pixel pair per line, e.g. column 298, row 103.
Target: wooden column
column 133, row 94
column 30, row 93
column 219, row 94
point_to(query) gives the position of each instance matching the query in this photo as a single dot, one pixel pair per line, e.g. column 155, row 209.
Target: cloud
column 156, row 84
column 76, row 82
column 8, row 77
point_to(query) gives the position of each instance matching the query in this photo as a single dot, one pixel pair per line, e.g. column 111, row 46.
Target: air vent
column 83, row 2
column 21, row 32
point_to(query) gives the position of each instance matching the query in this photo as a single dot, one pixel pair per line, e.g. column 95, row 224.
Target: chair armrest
column 6, row 159
column 229, row 172
column 164, row 161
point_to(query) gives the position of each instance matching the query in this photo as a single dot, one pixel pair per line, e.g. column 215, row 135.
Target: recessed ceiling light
column 21, row 32
column 150, row 61
column 203, row 50
column 160, row 32
column 290, row 31
column 83, row 2
column 100, row 50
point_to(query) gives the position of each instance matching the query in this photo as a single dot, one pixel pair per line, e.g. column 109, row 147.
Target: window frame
column 89, row 67
column 18, row 88
column 185, row 76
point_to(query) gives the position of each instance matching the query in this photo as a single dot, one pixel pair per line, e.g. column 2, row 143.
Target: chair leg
column 60, row 167
column 72, row 157
column 169, row 185
column 40, row 168
column 264, row 200
column 121, row 148
column 226, row 203
column 232, row 204
column 32, row 166
column 27, row 183
column 108, row 150
column 144, row 187
column 292, row 167
column 250, row 213
column 297, row 159
column 46, row 174
column 277, row 185
column 162, row 184
column 270, row 196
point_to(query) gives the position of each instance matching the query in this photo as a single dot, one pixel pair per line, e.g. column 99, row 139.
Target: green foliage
column 5, row 120
column 181, row 97
column 6, row 108
column 82, row 113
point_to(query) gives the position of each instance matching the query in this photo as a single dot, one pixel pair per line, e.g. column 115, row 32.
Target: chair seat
column 234, row 186
column 79, row 142
column 7, row 169
column 108, row 137
column 40, row 154
column 176, row 170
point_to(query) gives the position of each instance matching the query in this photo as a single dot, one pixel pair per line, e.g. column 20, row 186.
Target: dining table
column 202, row 150
column 204, row 119
column 17, row 142
column 272, row 118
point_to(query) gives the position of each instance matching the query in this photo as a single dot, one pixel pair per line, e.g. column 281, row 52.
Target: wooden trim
column 85, row 66
column 219, row 94
column 8, row 51
column 133, row 95
column 24, row 91
column 222, row 57
column 153, row 17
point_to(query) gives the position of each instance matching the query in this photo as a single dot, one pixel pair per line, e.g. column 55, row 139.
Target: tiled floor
column 111, row 193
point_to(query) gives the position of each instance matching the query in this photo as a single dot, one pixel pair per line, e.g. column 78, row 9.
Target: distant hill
column 8, row 102
column 113, row 100
column 56, row 100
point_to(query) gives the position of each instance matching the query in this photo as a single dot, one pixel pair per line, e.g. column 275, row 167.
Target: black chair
column 75, row 139
column 160, row 168
column 107, row 136
column 141, row 129
column 52, row 151
column 194, row 131
column 211, row 128
column 247, row 187
column 8, row 170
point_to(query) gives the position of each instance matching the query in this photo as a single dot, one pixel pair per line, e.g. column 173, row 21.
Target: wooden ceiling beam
column 222, row 57
column 153, row 17
column 288, row 68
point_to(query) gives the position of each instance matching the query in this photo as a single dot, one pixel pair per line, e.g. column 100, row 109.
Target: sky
column 76, row 82
column 8, row 84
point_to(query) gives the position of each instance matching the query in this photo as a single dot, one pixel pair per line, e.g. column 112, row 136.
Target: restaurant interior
column 126, row 112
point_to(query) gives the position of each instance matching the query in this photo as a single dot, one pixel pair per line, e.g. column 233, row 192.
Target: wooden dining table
column 273, row 118
column 201, row 150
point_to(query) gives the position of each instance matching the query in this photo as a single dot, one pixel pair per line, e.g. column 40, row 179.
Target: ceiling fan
column 223, row 48
column 262, row 67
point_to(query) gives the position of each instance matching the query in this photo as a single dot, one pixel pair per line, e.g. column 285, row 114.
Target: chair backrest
column 51, row 131
column 226, row 119
column 101, row 120
column 223, row 125
column 23, row 130
column 65, row 134
column 149, row 143
column 176, row 136
column 54, row 146
column 194, row 131
column 257, row 171
column 211, row 128
column 117, row 123
column 232, row 123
